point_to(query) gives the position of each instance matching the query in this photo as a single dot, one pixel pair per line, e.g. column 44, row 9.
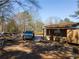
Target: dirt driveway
column 37, row 50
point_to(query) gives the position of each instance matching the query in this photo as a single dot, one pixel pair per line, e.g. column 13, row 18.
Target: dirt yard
column 38, row 50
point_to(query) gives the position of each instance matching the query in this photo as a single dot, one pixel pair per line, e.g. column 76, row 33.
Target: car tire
column 23, row 38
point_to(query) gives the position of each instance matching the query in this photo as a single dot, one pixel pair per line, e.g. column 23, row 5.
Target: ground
column 38, row 50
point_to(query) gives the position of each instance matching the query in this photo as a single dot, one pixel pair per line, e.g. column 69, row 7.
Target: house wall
column 72, row 35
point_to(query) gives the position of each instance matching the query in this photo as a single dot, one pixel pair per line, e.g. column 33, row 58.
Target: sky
column 57, row 8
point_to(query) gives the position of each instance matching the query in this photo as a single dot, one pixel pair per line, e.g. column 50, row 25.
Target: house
column 65, row 29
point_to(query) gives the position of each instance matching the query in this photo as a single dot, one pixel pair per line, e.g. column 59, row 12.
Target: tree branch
column 3, row 2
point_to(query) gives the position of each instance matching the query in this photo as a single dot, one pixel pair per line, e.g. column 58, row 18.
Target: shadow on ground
column 19, row 55
column 35, row 54
column 39, row 51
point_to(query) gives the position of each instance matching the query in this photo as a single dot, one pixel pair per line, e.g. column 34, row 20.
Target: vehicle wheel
column 23, row 38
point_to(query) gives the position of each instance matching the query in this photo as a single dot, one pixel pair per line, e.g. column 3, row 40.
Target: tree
column 61, row 21
column 67, row 20
column 53, row 20
column 38, row 26
column 76, row 14
column 8, row 8
column 2, row 2
column 24, row 20
column 12, row 26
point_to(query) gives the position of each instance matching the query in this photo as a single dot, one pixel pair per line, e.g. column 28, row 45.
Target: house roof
column 62, row 25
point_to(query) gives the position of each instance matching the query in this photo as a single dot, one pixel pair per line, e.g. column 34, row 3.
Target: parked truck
column 28, row 35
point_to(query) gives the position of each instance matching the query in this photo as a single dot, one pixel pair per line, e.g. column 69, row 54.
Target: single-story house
column 59, row 29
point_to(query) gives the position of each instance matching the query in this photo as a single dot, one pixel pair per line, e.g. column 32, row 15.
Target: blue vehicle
column 28, row 35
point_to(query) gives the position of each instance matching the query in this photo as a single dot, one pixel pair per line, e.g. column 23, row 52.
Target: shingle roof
column 62, row 25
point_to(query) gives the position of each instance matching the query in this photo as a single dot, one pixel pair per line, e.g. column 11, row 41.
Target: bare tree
column 8, row 8
column 23, row 18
